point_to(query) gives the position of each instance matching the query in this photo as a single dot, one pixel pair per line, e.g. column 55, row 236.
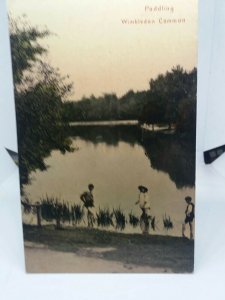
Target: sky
column 102, row 55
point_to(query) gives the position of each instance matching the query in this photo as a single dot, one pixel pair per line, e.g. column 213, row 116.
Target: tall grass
column 120, row 219
column 53, row 209
column 104, row 217
column 66, row 213
column 77, row 214
column 27, row 208
column 133, row 220
column 167, row 222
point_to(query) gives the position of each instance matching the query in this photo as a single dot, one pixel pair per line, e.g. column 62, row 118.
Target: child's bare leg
column 183, row 229
column 191, row 230
column 89, row 218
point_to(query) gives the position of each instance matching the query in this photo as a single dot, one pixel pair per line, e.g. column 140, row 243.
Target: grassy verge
column 174, row 253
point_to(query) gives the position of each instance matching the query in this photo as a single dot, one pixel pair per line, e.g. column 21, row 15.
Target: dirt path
column 39, row 259
column 99, row 251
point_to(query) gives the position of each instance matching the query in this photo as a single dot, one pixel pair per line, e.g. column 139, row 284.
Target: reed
column 77, row 214
column 120, row 219
column 133, row 220
column 27, row 208
column 66, row 213
column 53, row 209
column 167, row 222
column 104, row 217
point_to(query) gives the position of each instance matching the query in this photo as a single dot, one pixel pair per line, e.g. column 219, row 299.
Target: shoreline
column 104, row 123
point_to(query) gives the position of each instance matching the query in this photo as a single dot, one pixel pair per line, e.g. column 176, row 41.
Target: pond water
column 116, row 159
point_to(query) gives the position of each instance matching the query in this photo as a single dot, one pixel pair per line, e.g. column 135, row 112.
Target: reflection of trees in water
column 166, row 153
column 111, row 135
column 174, row 156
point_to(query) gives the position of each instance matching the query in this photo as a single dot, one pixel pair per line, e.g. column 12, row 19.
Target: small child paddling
column 189, row 216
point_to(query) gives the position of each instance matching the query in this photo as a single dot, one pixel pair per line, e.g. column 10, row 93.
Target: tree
column 186, row 121
column 154, row 112
column 171, row 99
column 176, row 84
column 39, row 94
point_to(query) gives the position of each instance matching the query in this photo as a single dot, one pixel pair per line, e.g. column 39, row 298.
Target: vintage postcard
column 105, row 95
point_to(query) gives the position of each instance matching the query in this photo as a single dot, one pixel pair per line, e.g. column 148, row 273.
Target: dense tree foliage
column 107, row 107
column 39, row 94
column 171, row 100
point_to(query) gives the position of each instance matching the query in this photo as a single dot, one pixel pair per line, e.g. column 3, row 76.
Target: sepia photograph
column 106, row 97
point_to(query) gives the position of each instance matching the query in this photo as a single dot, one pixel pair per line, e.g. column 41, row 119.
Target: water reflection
column 173, row 156
column 111, row 135
column 167, row 153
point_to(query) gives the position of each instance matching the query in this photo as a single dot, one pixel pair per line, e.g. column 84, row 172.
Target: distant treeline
column 106, row 107
column 171, row 100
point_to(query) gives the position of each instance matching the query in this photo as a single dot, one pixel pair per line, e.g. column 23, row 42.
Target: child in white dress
column 143, row 200
column 144, row 205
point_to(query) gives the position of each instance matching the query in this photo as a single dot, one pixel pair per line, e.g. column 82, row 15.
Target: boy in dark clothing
column 88, row 199
column 189, row 216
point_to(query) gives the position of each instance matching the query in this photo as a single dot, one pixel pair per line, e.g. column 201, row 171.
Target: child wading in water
column 189, row 216
column 88, row 199
column 144, row 205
